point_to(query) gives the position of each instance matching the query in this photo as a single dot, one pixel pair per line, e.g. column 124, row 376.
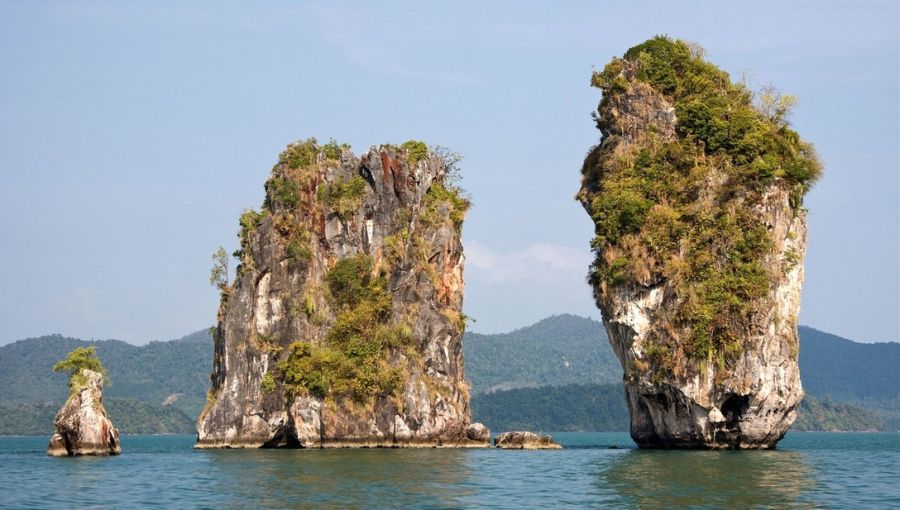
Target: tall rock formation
column 82, row 427
column 343, row 326
column 696, row 196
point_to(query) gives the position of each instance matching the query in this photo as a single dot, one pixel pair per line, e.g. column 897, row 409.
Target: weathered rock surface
column 523, row 440
column 739, row 385
column 82, row 427
column 410, row 231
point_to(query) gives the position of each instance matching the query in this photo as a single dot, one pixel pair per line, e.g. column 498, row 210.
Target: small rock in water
column 82, row 427
column 523, row 440
column 478, row 432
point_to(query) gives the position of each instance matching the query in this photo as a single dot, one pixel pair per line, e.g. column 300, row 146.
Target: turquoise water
column 809, row 470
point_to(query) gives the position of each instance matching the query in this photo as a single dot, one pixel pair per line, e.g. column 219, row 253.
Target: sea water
column 596, row 470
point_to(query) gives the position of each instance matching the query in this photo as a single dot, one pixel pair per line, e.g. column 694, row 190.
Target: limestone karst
column 82, row 426
column 343, row 325
column 695, row 191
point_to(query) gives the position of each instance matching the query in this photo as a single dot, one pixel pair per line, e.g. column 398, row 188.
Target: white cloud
column 544, row 263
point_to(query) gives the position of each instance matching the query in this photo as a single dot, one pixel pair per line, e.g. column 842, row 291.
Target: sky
column 132, row 135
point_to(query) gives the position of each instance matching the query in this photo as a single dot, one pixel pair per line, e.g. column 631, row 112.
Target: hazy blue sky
column 133, row 134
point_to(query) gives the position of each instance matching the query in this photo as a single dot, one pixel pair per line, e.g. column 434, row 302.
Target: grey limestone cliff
column 343, row 326
column 695, row 195
column 82, row 426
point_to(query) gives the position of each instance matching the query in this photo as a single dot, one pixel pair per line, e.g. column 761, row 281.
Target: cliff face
column 695, row 193
column 343, row 326
column 82, row 427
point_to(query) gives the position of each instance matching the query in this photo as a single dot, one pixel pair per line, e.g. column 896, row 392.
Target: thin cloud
column 391, row 43
column 542, row 263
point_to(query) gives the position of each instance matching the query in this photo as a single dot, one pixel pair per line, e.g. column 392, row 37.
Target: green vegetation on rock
column 249, row 221
column 268, row 383
column 299, row 154
column 680, row 207
column 352, row 361
column 295, row 237
column 439, row 196
column 284, row 190
column 415, row 151
column 333, row 150
column 79, row 359
column 288, row 191
column 294, row 173
column 344, row 196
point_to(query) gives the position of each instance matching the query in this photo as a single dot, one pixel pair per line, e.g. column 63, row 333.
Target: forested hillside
column 561, row 370
column 847, row 370
column 562, row 349
column 851, row 372
column 130, row 416
column 849, row 385
column 601, row 407
column 176, row 371
column 570, row 408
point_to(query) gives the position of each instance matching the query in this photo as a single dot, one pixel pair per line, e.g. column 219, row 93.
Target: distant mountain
column 824, row 414
column 176, row 371
column 866, row 375
column 570, row 408
column 596, row 407
column 128, row 415
column 559, row 350
column 537, row 355
column 847, row 370
column 851, row 379
column 561, row 372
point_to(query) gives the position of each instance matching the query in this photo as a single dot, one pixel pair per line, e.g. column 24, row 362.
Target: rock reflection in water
column 351, row 478
column 709, row 479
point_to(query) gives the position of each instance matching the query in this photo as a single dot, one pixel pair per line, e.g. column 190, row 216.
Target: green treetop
column 75, row 361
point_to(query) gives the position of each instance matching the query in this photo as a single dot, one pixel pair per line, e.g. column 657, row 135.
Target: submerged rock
column 344, row 324
column 82, row 426
column 696, row 197
column 523, row 440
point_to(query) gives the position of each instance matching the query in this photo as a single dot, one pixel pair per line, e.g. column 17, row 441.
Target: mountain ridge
column 151, row 372
column 601, row 408
column 161, row 370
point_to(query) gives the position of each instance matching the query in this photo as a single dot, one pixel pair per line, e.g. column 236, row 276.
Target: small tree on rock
column 81, row 357
column 218, row 275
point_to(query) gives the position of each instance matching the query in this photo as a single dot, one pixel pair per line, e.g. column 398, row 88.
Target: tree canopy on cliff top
column 77, row 360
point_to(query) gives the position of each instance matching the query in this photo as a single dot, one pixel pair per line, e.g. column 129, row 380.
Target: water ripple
column 808, row 471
